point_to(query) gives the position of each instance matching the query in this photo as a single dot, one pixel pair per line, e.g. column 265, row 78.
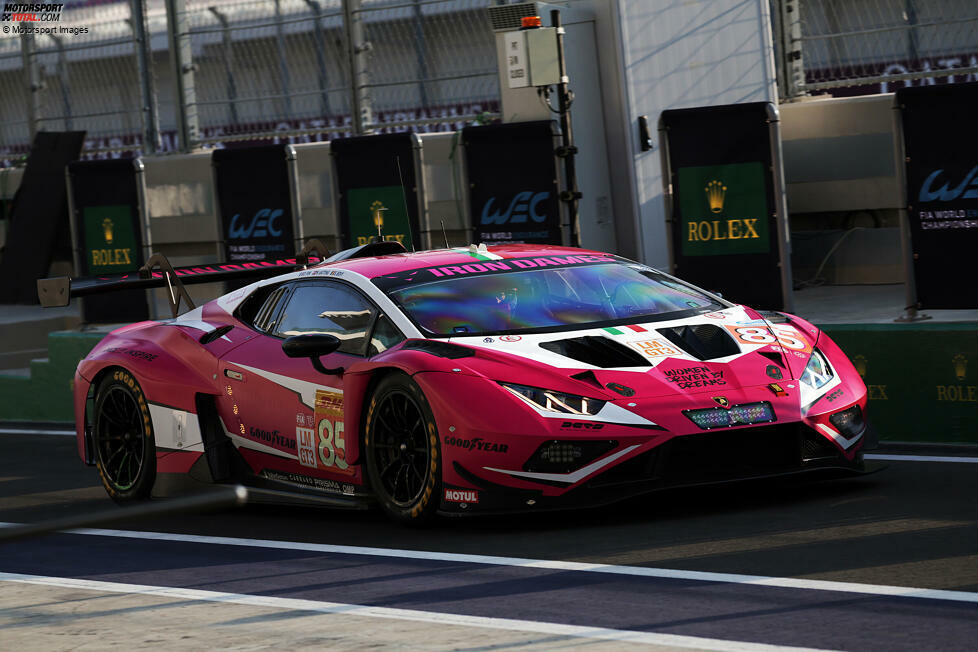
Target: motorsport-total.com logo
column 31, row 12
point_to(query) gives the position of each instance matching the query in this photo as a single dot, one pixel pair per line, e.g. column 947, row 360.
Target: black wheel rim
column 401, row 449
column 120, row 437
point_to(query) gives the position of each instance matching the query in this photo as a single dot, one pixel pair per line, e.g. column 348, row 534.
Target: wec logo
column 968, row 187
column 523, row 205
column 262, row 225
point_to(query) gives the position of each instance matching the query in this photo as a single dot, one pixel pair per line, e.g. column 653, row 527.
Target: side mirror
column 312, row 346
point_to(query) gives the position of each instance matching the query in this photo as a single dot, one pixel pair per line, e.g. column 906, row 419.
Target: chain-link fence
column 850, row 47
column 297, row 69
column 79, row 73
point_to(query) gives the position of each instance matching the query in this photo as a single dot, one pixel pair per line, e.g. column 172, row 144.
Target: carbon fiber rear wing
column 159, row 273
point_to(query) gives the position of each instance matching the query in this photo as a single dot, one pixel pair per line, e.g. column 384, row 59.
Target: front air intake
column 597, row 351
column 702, row 341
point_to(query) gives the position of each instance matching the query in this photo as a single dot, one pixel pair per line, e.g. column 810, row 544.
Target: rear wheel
column 125, row 450
column 403, row 452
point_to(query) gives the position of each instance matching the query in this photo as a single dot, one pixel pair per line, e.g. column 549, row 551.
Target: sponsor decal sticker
column 655, row 348
column 692, row 377
column 510, row 338
column 306, row 438
column 331, row 446
column 476, row 444
column 271, row 437
column 783, row 334
column 834, row 395
column 461, row 495
column 582, row 425
column 141, row 355
column 721, row 401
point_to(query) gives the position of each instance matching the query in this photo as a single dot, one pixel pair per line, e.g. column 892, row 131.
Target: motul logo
column 461, row 496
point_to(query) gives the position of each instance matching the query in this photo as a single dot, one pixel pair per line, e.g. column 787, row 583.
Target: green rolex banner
column 727, row 223
column 377, row 182
column 110, row 243
column 730, row 215
column 380, row 210
column 108, row 238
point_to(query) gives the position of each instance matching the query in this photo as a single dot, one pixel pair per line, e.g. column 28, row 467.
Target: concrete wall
column 679, row 54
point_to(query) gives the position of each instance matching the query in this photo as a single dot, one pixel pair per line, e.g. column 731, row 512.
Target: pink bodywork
column 465, row 396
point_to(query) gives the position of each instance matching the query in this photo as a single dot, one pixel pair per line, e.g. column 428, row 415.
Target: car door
column 286, row 418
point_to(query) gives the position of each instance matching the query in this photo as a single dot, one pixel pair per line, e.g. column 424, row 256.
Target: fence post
column 228, row 52
column 181, row 61
column 63, row 80
column 283, row 65
column 317, row 35
column 421, row 52
column 144, row 67
column 32, row 78
column 791, row 53
column 357, row 49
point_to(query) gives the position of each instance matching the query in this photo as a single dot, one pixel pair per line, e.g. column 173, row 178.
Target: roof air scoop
column 702, row 341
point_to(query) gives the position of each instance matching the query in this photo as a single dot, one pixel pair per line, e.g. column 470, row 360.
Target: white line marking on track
column 510, row 624
column 637, row 571
column 920, row 458
column 36, row 431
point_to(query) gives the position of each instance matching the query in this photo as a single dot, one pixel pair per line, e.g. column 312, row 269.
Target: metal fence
column 852, row 47
column 209, row 72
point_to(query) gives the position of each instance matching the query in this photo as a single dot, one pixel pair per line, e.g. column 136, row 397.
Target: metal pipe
column 147, row 87
column 571, row 194
column 317, row 33
column 228, row 51
column 283, row 64
column 357, row 48
column 32, row 78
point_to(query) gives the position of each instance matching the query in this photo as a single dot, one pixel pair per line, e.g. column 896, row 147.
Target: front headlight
column 817, row 372
column 552, row 401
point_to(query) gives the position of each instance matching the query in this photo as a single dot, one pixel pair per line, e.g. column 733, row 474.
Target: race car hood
column 717, row 351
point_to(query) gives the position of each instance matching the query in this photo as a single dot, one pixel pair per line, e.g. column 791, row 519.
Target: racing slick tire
column 125, row 449
column 403, row 450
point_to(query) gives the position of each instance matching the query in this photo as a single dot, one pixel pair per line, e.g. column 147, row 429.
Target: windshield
column 547, row 298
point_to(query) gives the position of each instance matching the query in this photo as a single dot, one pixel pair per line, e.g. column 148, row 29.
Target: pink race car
column 460, row 381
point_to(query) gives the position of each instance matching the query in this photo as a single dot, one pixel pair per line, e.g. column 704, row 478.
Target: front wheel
column 125, row 450
column 403, row 454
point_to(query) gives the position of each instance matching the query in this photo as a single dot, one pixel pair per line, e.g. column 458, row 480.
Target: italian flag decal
column 619, row 331
column 479, row 254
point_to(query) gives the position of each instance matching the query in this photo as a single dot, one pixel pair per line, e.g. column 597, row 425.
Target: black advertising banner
column 940, row 135
column 724, row 215
column 255, row 199
column 513, row 192
column 38, row 229
column 378, row 188
column 105, row 199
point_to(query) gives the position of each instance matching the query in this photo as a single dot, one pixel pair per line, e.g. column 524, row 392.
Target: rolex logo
column 107, row 230
column 859, row 362
column 377, row 208
column 960, row 366
column 715, row 194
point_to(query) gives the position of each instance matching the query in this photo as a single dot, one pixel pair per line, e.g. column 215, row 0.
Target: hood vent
column 702, row 341
column 597, row 351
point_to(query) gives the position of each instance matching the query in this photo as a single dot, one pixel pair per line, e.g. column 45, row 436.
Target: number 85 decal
column 786, row 336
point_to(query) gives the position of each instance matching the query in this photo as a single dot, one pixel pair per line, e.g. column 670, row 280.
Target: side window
column 265, row 317
column 328, row 308
column 385, row 336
